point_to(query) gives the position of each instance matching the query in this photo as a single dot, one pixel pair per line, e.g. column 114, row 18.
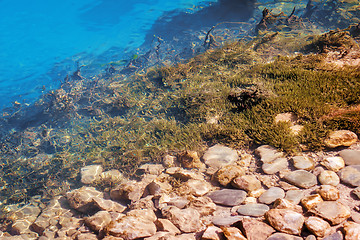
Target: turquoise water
column 43, row 40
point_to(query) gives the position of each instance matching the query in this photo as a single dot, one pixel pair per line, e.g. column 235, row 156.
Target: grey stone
column 268, row 153
column 301, row 178
column 334, row 212
column 350, row 175
column 270, row 195
column 303, row 163
column 334, row 236
column 226, row 221
column 351, row 157
column 219, row 156
column 283, row 236
column 329, row 178
column 253, row 209
column 275, row 165
column 294, row 195
column 228, row 197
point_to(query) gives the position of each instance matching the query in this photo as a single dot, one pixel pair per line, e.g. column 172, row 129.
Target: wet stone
column 253, row 209
column 351, row 157
column 130, row 190
column 303, row 163
column 333, row 163
column 108, row 205
column 82, row 199
column 340, row 138
column 228, row 197
column 98, row 221
column 350, row 175
column 190, row 159
column 317, row 226
column 334, row 212
column 256, row 230
column 268, row 153
column 90, row 173
column 270, row 195
column 275, row 165
column 283, row 236
column 219, row 156
column 329, row 178
column 286, row 221
column 301, row 178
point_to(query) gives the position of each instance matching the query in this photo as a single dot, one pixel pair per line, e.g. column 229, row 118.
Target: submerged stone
column 219, row 156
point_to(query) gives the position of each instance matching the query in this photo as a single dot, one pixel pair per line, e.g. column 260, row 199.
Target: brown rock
column 310, row 201
column 226, row 174
column 187, row 220
column 317, row 226
column 90, row 174
column 286, row 221
column 145, row 214
column 86, row 236
column 143, row 203
column 335, row 236
column 329, row 193
column 256, row 230
column 283, row 236
column 98, row 221
column 246, row 182
column 153, row 169
column 233, row 233
column 82, row 199
column 219, row 156
column 286, row 204
column 190, row 159
column 334, row 212
column 131, row 227
column 352, row 231
column 340, row 138
column 198, row 187
column 130, row 190
column 166, row 226
column 212, row 233
column 204, row 205
column 108, row 205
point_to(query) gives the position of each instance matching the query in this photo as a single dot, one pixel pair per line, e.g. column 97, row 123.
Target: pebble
column 334, row 212
column 268, row 153
column 317, row 226
column 352, row 230
column 351, row 157
column 227, row 173
column 340, row 138
column 247, row 182
column 228, row 197
column 286, row 204
column 328, row 177
column 350, row 175
column 333, row 163
column 253, row 209
column 286, row 221
column 334, row 236
column 311, row 201
column 283, row 236
column 329, row 193
column 219, row 156
column 301, row 178
column 270, row 195
column 225, row 221
column 294, row 196
column 275, row 166
column 256, row 230
column 303, row 163
column 190, row 159
column 90, row 174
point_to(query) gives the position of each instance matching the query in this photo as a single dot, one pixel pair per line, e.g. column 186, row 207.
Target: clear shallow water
column 41, row 41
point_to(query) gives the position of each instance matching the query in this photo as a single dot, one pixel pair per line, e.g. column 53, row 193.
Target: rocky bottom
column 225, row 194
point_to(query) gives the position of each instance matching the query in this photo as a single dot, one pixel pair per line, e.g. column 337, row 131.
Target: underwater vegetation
column 228, row 94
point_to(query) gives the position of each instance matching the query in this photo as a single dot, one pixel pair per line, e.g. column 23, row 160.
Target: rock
column 310, row 201
column 329, row 193
column 340, row 138
column 86, row 236
column 303, row 163
column 334, row 236
column 352, row 231
column 190, row 159
column 187, row 220
column 275, row 166
column 108, row 205
column 270, row 195
column 351, row 157
column 310, row 237
column 286, row 117
column 286, row 204
column 169, row 161
column 268, row 153
column 159, row 186
column 184, row 174
column 143, row 214
column 112, row 238
column 98, row 221
column 253, row 209
column 82, row 199
column 212, row 233
column 247, row 183
column 283, row 236
column 90, row 173
column 256, row 193
column 153, row 169
column 166, row 226
column 329, row 178
column 334, row 212
column 250, row 200
column 204, row 205
column 228, row 197
column 198, row 187
column 178, row 202
column 350, row 175
column 113, row 176
column 256, row 230
column 221, row 221
column 294, row 196
column 219, row 156
column 227, row 173
column 131, row 227
column 23, row 218
column 301, row 178
column 160, row 235
column 130, row 190
column 233, row 233
column 143, row 203
column 317, row 226
column 286, row 221
column 356, row 191
column 333, row 163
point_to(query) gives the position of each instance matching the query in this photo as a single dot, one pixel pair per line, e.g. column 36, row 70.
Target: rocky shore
column 224, row 194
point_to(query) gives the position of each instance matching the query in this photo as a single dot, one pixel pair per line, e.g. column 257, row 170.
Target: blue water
column 43, row 40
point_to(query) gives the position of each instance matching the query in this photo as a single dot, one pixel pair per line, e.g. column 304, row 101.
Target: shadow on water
column 174, row 23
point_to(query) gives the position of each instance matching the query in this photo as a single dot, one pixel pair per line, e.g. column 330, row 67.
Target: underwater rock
column 90, row 174
column 98, row 221
column 246, row 97
column 341, row 138
column 190, row 159
column 82, row 199
column 130, row 190
column 219, row 156
column 153, row 169
column 108, row 205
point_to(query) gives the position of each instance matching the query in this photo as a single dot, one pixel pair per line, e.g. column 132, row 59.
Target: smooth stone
column 317, row 226
column 294, row 196
column 187, row 220
column 352, row 230
column 227, row 173
column 329, row 178
column 283, row 236
column 334, row 212
column 82, row 199
column 233, row 233
column 253, row 209
column 113, row 176
column 350, row 175
column 256, row 230
column 303, row 163
column 334, row 236
column 333, row 163
column 268, row 153
column 310, row 237
column 340, row 138
column 228, row 197
column 108, row 205
column 351, row 157
column 301, row 178
column 90, row 174
column 247, row 182
column 275, row 165
column 219, row 156
column 311, row 201
column 270, row 195
column 286, row 221
column 225, row 221
column 329, row 193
